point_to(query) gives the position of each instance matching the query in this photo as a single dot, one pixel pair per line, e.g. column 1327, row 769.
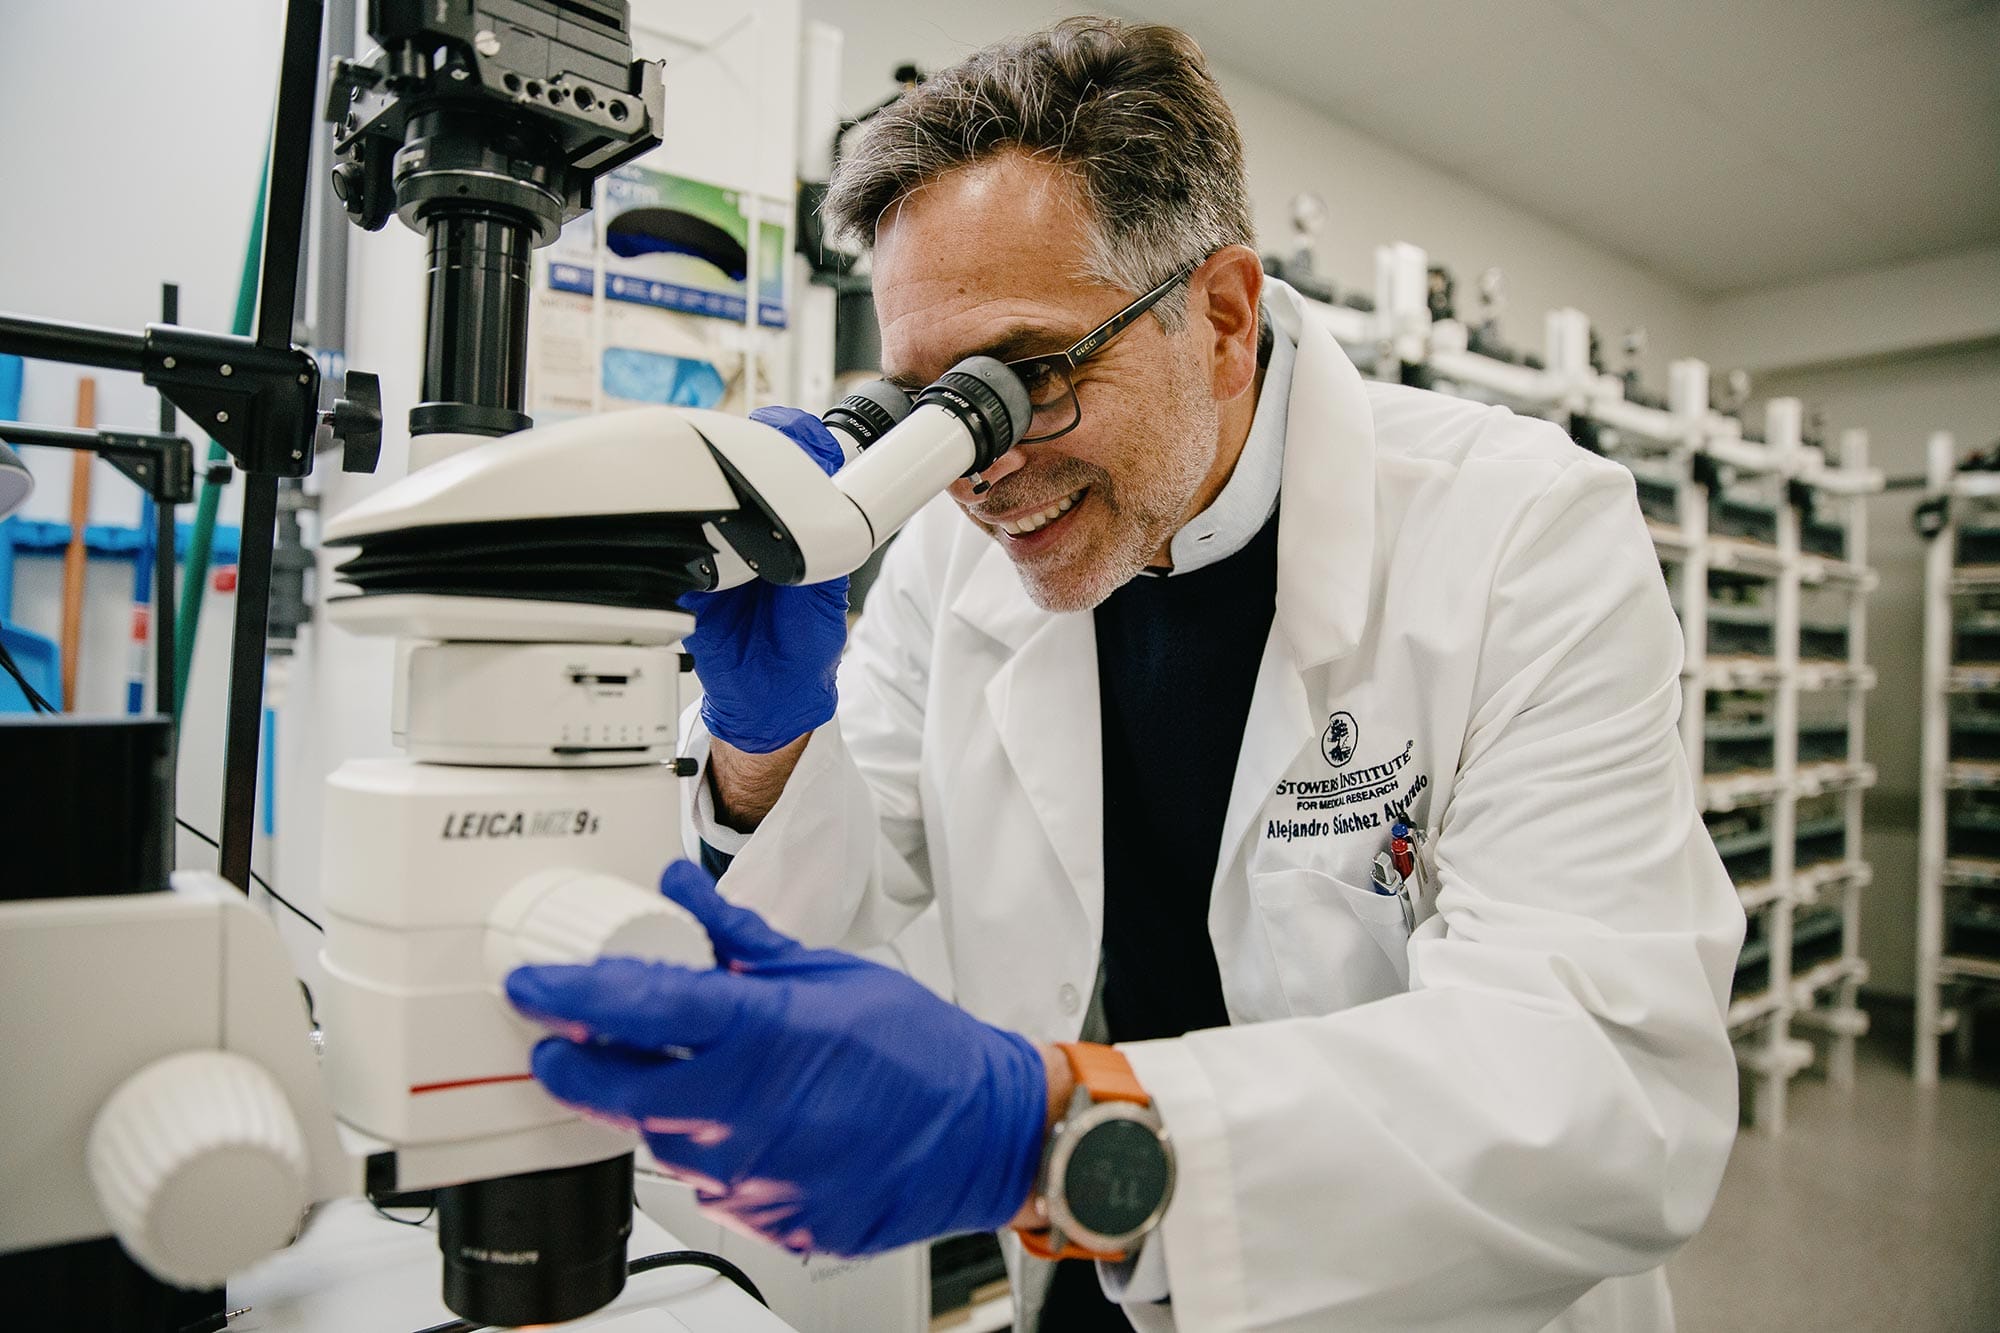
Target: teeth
column 1021, row 527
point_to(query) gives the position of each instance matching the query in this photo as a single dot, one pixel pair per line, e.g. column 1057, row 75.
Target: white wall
column 1899, row 403
column 134, row 142
column 1898, row 310
column 1376, row 194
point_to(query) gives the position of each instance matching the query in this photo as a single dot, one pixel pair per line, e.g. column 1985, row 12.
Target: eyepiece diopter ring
column 992, row 402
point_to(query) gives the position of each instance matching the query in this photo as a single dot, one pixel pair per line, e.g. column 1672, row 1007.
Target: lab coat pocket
column 1335, row 945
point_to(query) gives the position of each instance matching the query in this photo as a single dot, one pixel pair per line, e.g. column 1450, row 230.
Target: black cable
column 665, row 1259
column 260, row 881
column 418, row 1222
column 699, row 1259
column 35, row 700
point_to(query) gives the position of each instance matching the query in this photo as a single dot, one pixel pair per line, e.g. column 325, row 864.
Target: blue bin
column 10, row 393
column 40, row 661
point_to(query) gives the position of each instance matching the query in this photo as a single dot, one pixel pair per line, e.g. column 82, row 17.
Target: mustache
column 1039, row 487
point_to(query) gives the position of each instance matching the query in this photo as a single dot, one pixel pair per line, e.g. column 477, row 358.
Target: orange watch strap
column 1037, row 1244
column 1104, row 1071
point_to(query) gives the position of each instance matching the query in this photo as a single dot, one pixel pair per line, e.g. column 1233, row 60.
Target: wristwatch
column 1108, row 1166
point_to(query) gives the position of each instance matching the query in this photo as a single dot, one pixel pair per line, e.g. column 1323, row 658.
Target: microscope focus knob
column 575, row 916
column 200, row 1166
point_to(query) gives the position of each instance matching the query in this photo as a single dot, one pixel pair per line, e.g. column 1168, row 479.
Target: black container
column 90, row 812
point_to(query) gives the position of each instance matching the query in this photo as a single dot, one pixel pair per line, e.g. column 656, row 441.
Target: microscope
column 532, row 580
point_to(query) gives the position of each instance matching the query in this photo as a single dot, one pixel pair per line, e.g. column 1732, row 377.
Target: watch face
column 1116, row 1177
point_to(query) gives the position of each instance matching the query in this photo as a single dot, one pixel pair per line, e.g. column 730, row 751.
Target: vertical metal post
column 277, row 293
column 166, row 534
column 1936, row 764
column 1783, row 437
column 165, row 523
column 1848, row 1026
column 1688, row 399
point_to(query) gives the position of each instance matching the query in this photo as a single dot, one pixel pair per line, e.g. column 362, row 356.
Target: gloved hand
column 766, row 654
column 820, row 1100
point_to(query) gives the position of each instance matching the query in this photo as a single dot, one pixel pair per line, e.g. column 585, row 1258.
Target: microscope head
column 588, row 531
column 583, row 532
column 591, row 530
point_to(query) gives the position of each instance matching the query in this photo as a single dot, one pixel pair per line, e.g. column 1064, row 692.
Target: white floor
column 1877, row 1209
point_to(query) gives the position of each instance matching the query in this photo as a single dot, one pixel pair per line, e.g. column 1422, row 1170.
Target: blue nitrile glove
column 766, row 654
column 818, row 1099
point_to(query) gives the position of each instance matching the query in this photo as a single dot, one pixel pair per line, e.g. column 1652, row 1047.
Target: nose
column 967, row 489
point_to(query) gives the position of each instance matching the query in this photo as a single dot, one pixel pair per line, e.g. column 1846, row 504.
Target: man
column 1142, row 712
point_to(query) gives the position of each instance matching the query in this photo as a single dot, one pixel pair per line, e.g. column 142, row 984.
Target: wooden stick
column 76, row 558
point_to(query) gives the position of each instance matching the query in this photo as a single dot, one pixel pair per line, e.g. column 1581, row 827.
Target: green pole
column 201, row 542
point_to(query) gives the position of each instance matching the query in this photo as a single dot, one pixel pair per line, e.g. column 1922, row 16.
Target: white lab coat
column 1511, row 1116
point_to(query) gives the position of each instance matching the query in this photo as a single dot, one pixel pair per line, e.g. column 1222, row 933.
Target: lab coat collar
column 1326, row 510
column 1250, row 496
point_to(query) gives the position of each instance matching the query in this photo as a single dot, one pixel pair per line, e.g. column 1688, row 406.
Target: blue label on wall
column 664, row 295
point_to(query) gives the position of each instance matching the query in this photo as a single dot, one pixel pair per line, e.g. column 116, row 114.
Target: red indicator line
column 416, row 1088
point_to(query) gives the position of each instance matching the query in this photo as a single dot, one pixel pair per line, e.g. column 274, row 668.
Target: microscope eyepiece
column 989, row 399
column 870, row 412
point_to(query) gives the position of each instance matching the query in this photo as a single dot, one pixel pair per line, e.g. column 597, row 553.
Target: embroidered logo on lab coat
column 1371, row 796
column 1338, row 742
column 1360, row 786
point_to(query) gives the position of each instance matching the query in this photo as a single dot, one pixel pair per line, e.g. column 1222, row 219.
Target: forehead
column 984, row 254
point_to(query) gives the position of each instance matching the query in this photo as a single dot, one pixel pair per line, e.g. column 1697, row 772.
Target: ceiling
column 1723, row 144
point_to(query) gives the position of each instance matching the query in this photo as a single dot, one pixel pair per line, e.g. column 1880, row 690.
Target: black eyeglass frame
column 1090, row 344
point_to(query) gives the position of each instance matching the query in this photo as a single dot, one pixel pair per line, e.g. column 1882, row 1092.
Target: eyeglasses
column 1050, row 387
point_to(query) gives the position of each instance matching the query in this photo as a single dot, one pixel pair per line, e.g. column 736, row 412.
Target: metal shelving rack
column 1830, row 871
column 1746, row 530
column 1748, row 719
column 1958, row 865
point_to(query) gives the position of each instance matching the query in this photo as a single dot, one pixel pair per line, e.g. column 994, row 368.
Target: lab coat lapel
column 1043, row 704
column 1280, row 722
column 1326, row 505
column 1326, row 544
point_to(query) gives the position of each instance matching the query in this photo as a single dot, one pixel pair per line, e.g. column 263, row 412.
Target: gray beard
column 1144, row 515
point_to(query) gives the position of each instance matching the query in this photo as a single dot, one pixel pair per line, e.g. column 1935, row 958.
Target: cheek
column 1110, row 442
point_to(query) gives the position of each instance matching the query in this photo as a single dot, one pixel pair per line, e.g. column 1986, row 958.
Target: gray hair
column 1129, row 110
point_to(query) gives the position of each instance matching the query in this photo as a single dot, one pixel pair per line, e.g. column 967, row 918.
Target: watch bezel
column 1070, row 1132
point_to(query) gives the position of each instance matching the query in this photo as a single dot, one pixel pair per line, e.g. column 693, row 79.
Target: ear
column 1222, row 303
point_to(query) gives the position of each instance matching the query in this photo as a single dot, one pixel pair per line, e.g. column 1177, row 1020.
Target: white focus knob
column 199, row 1166
column 575, row 916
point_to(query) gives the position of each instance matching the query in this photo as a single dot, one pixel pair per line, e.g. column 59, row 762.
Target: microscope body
column 528, row 823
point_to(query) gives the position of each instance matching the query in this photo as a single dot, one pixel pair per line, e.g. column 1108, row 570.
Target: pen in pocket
column 1386, row 879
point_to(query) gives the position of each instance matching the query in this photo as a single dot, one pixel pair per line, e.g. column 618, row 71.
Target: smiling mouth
column 1035, row 522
